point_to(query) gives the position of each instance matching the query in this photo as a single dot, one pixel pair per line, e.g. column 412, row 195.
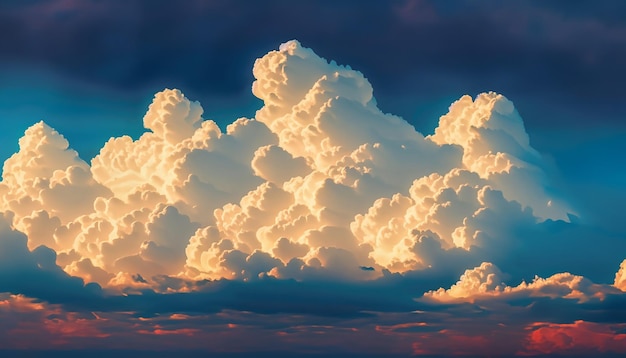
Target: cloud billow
column 320, row 187
column 321, row 182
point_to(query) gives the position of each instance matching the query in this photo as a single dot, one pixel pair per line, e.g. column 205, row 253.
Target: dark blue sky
column 96, row 64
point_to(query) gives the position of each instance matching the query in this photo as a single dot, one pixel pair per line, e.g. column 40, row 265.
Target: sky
column 314, row 178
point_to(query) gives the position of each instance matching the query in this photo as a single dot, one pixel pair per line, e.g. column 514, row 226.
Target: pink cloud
column 167, row 332
column 579, row 337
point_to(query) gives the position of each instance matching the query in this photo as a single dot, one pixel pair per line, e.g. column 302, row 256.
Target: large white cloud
column 320, row 184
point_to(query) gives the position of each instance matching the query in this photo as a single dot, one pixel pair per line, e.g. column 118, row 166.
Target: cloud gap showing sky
column 321, row 225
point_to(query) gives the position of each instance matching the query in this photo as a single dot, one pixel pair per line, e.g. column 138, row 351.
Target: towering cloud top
column 42, row 151
column 173, row 117
column 321, row 184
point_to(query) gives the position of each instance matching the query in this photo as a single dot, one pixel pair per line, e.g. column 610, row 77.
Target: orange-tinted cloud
column 487, row 282
column 320, row 206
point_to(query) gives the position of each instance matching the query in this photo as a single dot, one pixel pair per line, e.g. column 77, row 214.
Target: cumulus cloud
column 320, row 183
column 620, row 277
column 45, row 174
column 487, row 281
column 482, row 280
column 496, row 147
column 322, row 207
